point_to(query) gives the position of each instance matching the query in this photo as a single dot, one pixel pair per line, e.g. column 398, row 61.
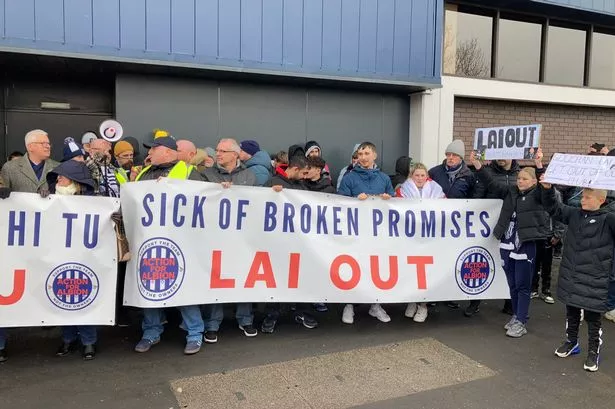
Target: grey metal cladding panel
column 187, row 108
column 395, row 130
column 273, row 116
column 597, row 6
column 338, row 120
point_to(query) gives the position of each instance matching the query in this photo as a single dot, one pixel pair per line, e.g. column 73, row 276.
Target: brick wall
column 565, row 128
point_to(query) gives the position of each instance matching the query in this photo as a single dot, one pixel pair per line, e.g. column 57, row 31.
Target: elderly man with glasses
column 228, row 171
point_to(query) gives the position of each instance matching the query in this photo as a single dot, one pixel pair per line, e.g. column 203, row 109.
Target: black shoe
column 123, row 320
column 507, row 309
column 89, row 352
column 268, row 325
column 3, row 355
column 592, row 361
column 568, row 348
column 306, row 319
column 66, row 348
column 248, row 330
column 211, row 337
column 452, row 305
column 472, row 309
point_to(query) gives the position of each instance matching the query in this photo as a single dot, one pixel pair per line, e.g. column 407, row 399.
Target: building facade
column 409, row 75
column 522, row 62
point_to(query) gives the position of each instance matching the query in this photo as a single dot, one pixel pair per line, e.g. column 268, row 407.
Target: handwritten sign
column 597, row 172
column 507, row 142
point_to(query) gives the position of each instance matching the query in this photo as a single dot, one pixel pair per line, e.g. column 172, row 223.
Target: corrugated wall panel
column 273, row 27
column 598, row 6
column 229, row 29
column 158, row 25
column 78, row 22
column 251, row 30
column 19, row 18
column 106, row 27
column 182, row 26
column 331, row 31
column 394, row 40
column 49, row 20
column 206, row 27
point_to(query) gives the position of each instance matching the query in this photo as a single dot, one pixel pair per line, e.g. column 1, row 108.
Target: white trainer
column 410, row 310
column 610, row 315
column 377, row 311
column 421, row 313
column 348, row 314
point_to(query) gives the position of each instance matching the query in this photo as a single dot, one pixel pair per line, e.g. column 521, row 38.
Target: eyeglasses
column 223, row 151
column 42, row 143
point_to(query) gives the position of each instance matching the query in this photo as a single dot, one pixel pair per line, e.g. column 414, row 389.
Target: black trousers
column 544, row 262
column 594, row 327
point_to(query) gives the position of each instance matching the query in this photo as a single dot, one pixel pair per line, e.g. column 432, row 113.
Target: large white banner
column 197, row 243
column 59, row 260
column 596, row 172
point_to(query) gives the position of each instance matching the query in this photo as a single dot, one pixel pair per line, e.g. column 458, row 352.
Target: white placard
column 507, row 142
column 596, row 171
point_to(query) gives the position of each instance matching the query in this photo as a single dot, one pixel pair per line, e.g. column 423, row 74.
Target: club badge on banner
column 197, row 243
column 59, row 260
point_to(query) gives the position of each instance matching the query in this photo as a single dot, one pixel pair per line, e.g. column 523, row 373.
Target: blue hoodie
column 260, row 165
column 368, row 181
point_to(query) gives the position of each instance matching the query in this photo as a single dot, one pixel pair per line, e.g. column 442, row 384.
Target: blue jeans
column 191, row 314
column 610, row 301
column 214, row 314
column 86, row 333
column 519, row 274
column 2, row 338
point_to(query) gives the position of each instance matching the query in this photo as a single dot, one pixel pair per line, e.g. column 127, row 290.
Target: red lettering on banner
column 216, row 280
column 334, row 272
column 261, row 259
column 19, row 286
column 293, row 270
column 393, row 272
column 421, row 269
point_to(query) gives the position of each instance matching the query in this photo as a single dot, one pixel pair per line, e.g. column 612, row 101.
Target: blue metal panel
column 401, row 48
column 78, row 22
column 386, row 36
column 132, row 24
column 106, row 28
column 158, row 25
column 229, row 29
column 182, row 26
column 273, row 19
column 19, row 19
column 598, row 6
column 292, row 36
column 350, row 36
column 2, row 34
column 368, row 29
column 251, row 30
column 390, row 40
column 418, row 36
column 312, row 33
column 206, row 16
column 331, row 31
column 49, row 20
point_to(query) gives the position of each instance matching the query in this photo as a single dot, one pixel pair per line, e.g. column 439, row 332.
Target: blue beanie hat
column 71, row 149
column 250, row 147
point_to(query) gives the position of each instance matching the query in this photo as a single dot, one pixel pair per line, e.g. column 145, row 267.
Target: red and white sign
column 197, row 243
column 59, row 260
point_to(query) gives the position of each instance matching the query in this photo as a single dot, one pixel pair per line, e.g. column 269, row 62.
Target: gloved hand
column 44, row 192
column 5, row 192
column 116, row 217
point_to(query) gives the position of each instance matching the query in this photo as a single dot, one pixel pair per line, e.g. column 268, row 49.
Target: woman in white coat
column 419, row 186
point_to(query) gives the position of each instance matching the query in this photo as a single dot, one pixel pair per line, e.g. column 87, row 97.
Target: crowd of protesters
column 535, row 223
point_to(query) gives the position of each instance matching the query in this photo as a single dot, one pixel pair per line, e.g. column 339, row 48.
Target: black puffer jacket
column 587, row 260
column 501, row 176
column 533, row 221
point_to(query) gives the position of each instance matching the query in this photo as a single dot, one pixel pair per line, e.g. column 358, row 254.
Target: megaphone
column 111, row 130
